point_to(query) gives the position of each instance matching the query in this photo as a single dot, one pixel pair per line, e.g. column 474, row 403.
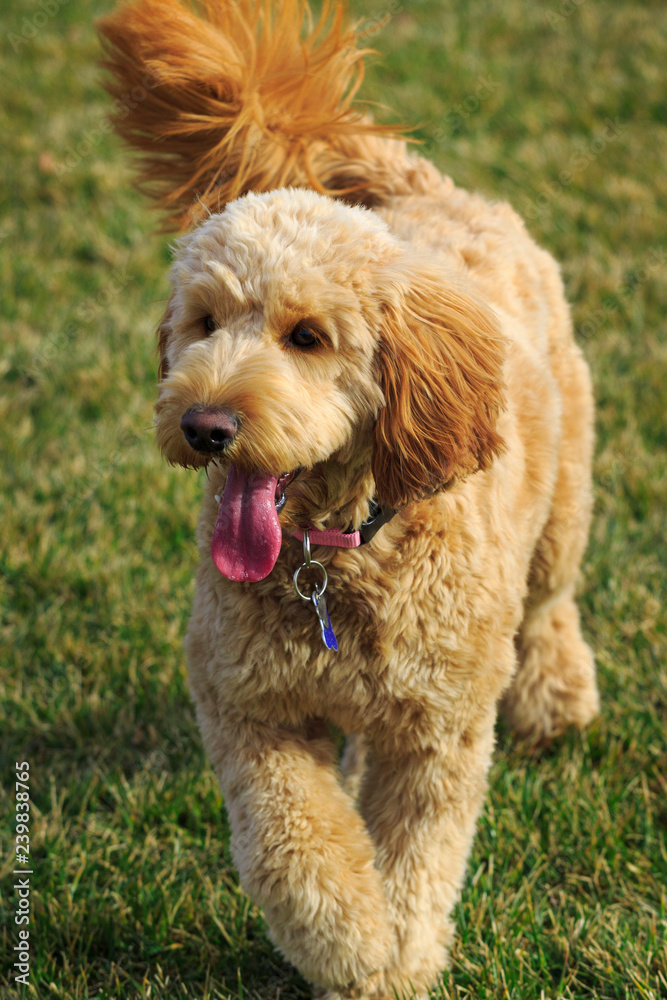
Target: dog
column 377, row 370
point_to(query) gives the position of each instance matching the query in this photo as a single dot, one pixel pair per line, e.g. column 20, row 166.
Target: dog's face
column 300, row 336
column 266, row 322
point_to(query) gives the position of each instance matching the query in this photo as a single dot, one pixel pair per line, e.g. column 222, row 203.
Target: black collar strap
column 378, row 516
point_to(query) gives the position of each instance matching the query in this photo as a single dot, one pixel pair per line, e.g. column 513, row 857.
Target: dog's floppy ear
column 163, row 333
column 440, row 368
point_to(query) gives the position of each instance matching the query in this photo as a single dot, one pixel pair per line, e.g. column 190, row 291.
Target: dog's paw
column 555, row 686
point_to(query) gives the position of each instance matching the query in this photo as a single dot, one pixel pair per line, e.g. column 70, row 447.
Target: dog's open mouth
column 247, row 535
column 281, row 486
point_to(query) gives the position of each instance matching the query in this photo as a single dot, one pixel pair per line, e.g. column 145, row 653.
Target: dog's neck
column 339, row 493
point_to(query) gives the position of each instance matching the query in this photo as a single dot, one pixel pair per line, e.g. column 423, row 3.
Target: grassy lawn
column 560, row 108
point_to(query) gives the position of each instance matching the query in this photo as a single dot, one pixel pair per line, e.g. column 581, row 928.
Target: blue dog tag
column 328, row 636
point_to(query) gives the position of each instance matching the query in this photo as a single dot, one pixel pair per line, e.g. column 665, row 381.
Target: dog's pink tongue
column 247, row 535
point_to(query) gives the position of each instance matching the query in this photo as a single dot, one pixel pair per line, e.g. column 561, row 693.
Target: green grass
column 134, row 893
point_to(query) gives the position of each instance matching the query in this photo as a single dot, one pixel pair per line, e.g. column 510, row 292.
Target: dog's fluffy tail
column 249, row 96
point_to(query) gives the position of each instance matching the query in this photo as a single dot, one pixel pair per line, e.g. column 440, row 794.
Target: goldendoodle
column 377, row 367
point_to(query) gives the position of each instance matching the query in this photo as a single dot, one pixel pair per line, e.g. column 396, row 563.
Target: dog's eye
column 210, row 325
column 301, row 336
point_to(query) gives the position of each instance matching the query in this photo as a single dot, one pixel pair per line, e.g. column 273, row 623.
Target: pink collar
column 332, row 537
column 336, row 537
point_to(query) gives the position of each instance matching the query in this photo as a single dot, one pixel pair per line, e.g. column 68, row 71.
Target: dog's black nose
column 209, row 430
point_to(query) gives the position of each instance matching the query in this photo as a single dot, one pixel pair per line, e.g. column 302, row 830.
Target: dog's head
column 301, row 335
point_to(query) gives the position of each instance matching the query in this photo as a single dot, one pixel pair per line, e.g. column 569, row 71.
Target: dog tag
column 328, row 636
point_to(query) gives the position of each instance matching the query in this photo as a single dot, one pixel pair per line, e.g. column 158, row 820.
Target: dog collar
column 337, row 537
column 378, row 516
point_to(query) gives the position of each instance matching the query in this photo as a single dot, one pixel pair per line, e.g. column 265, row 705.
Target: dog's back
column 255, row 96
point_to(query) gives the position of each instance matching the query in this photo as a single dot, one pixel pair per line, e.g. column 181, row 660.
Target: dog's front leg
column 302, row 851
column 421, row 807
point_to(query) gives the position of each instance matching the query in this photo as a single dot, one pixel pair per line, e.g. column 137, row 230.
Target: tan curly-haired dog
column 403, row 346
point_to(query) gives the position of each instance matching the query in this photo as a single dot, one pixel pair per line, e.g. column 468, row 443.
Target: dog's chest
column 403, row 627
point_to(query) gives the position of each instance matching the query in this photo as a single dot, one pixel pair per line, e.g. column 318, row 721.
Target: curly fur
column 445, row 380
